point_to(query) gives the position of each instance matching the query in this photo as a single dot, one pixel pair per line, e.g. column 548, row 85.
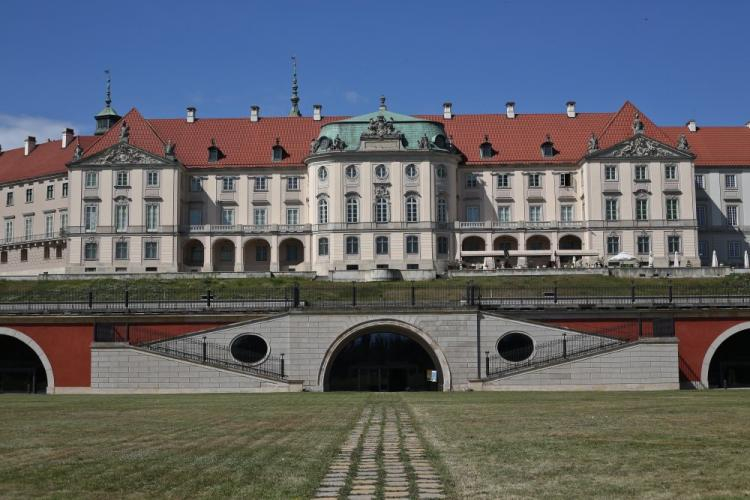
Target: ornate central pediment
column 122, row 154
column 640, row 146
column 380, row 128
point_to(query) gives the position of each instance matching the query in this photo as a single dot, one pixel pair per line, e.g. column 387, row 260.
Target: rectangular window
column 471, row 180
column 535, row 180
column 292, row 216
column 503, row 213
column 702, row 249
column 90, row 251
column 733, row 249
column 28, row 226
column 8, row 230
column 152, row 216
column 63, row 221
column 323, row 247
column 641, row 172
column 50, row 191
column 673, row 209
column 730, row 181
column 227, row 216
column 121, row 179
column 352, row 245
column 91, row 180
column 227, row 185
column 670, row 172
column 566, row 213
column 381, row 245
column 472, row 213
column 29, row 195
column 610, row 209
column 565, row 180
column 644, row 245
column 442, row 245
column 292, row 183
column 503, row 181
column 412, row 244
column 90, row 218
column 700, row 181
column 195, row 215
column 121, row 250
column 152, row 178
column 700, row 215
column 613, row 245
column 261, row 184
column 260, row 217
column 733, row 215
column 535, row 213
column 9, row 199
column 46, row 252
column 196, row 184
column 610, row 172
column 641, row 209
column 151, row 250
column 121, row 217
column 673, row 244
column 65, row 190
column 49, row 225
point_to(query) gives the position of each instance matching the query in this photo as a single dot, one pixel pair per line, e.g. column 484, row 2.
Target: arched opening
column 192, row 254
column 730, row 363
column 539, row 243
column 505, row 244
column 257, row 255
column 21, row 369
column 291, row 254
column 473, row 244
column 384, row 359
column 569, row 242
column 223, row 256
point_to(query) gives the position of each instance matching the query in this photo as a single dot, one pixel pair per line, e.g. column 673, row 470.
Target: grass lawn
column 486, row 445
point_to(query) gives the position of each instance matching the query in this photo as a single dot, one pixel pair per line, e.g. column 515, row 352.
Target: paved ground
column 383, row 458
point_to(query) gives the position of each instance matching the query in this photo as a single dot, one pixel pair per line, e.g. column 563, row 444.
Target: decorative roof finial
column 295, row 98
column 382, row 103
column 108, row 93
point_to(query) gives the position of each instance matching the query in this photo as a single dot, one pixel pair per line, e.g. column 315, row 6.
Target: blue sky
column 676, row 60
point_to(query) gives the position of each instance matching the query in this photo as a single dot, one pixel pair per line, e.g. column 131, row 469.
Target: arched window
column 381, row 245
column 441, row 171
column 382, row 209
column 442, row 210
column 411, row 171
column 322, row 173
column 323, row 247
column 351, row 172
column 352, row 209
column 322, row 211
column 381, row 171
column 412, row 210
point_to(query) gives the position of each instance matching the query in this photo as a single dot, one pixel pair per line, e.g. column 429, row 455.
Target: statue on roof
column 380, row 128
column 169, row 148
column 338, row 144
column 638, row 126
column 424, row 142
column 682, row 143
column 78, row 153
column 125, row 132
column 593, row 143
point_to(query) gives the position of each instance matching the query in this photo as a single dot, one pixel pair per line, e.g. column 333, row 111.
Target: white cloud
column 14, row 129
column 352, row 96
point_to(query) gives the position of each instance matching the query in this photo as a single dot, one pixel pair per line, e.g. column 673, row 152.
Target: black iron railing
column 565, row 348
column 193, row 348
column 144, row 298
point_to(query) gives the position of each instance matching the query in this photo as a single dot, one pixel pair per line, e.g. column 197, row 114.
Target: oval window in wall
column 249, row 348
column 515, row 347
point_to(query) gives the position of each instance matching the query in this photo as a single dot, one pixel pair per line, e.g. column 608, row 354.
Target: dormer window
column 278, row 151
column 485, row 149
column 548, row 147
column 214, row 153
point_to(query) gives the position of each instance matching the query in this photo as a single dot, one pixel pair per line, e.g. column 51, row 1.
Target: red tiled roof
column 142, row 135
column 716, row 146
column 47, row 158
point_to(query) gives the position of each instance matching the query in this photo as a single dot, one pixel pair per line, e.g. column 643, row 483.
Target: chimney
column 447, row 110
column 571, row 109
column 254, row 113
column 67, row 137
column 747, row 124
column 510, row 109
column 28, row 145
column 692, row 126
column 191, row 114
column 317, row 112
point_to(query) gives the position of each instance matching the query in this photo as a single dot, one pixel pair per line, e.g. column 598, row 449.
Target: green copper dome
column 414, row 133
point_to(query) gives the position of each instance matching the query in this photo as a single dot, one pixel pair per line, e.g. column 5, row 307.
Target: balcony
column 32, row 239
column 575, row 224
column 152, row 192
column 227, row 197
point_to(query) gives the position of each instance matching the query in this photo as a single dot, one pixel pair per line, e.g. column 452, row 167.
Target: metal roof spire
column 108, row 93
column 295, row 98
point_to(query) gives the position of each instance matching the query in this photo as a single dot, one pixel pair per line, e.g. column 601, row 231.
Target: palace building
column 376, row 196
